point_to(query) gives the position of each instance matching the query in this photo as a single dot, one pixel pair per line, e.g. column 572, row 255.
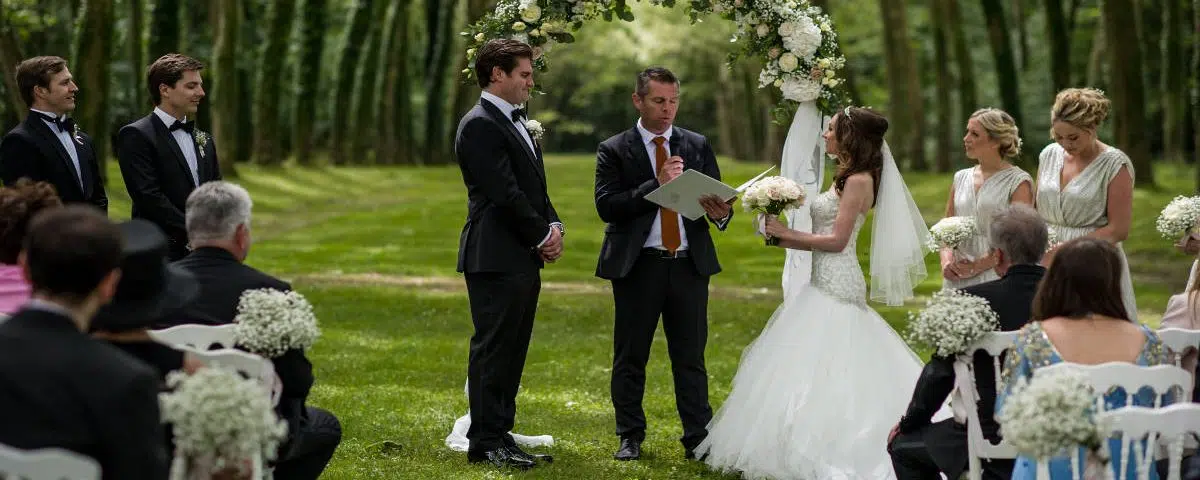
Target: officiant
column 658, row 261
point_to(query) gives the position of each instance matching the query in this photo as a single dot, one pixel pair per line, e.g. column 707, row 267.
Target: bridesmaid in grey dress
column 1085, row 188
column 992, row 138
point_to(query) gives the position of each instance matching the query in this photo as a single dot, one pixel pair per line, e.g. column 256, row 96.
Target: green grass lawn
column 374, row 249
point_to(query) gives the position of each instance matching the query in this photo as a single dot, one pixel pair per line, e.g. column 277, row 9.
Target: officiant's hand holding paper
column 715, row 207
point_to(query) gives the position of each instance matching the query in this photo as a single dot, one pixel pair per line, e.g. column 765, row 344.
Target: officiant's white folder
column 683, row 193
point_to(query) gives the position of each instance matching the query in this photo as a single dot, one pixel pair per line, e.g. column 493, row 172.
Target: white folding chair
column 46, row 464
column 1181, row 340
column 197, row 337
column 1173, row 425
column 1162, row 379
column 965, row 391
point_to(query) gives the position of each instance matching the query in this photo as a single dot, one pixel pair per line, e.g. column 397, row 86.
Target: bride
column 817, row 392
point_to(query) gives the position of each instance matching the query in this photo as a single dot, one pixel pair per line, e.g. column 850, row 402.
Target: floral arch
column 794, row 39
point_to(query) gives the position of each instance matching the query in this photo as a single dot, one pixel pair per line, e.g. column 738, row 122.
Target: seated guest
column 18, row 203
column 59, row 387
column 1182, row 313
column 218, row 227
column 921, row 450
column 150, row 289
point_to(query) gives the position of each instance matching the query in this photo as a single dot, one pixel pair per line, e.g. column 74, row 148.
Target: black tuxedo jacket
column 222, row 280
column 61, row 388
column 158, row 177
column 33, row 150
column 508, row 206
column 623, row 179
column 1011, row 297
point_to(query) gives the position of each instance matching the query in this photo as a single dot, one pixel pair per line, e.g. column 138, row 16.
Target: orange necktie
column 670, row 219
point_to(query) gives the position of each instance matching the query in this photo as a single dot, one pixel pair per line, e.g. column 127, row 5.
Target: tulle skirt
column 815, row 395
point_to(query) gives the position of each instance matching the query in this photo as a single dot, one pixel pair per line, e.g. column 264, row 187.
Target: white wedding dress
column 818, row 391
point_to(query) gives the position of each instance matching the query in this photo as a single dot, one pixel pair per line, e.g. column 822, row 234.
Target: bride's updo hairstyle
column 1083, row 108
column 859, row 135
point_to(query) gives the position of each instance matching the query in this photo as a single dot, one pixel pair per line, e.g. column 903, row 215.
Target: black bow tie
column 64, row 124
column 188, row 127
column 518, row 114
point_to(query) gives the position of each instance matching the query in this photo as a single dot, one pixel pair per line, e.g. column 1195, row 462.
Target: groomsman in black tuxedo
column 658, row 261
column 163, row 156
column 920, row 449
column 58, row 386
column 48, row 146
column 510, row 232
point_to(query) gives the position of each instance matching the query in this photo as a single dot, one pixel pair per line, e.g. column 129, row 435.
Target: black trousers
column 503, row 306
column 673, row 289
column 937, row 448
column 312, row 447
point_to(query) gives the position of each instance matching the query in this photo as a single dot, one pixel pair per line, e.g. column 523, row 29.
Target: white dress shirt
column 186, row 143
column 67, row 139
column 507, row 109
column 654, row 240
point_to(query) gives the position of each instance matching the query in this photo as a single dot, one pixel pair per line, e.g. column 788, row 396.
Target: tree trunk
column 941, row 60
column 137, row 55
column 164, row 28
column 1196, row 84
column 1126, row 88
column 440, row 16
column 1006, row 70
column 465, row 92
column 10, row 56
column 1174, row 82
column 725, row 113
column 95, row 50
column 962, row 59
column 312, row 46
column 396, row 145
column 1095, row 69
column 904, row 91
column 1149, row 33
column 268, row 126
column 847, row 72
column 249, row 38
column 225, row 90
column 366, row 95
column 356, row 33
column 1022, row 33
column 1060, row 44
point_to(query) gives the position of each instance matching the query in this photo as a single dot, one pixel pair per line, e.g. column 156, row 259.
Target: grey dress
column 1081, row 207
column 994, row 194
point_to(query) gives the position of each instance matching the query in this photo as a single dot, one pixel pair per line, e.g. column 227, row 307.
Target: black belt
column 656, row 253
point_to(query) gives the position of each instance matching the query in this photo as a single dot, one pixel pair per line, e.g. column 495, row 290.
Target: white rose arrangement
column 772, row 196
column 220, row 420
column 1180, row 217
column 1050, row 414
column 952, row 321
column 271, row 322
column 951, row 232
column 535, row 129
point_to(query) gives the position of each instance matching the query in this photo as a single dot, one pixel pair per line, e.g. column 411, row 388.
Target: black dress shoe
column 630, row 450
column 534, row 457
column 502, row 458
column 690, row 454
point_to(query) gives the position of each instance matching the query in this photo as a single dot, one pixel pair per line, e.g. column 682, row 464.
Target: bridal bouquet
column 951, row 232
column 771, row 196
column 1051, row 238
column 220, row 421
column 1050, row 414
column 1179, row 217
column 271, row 322
column 952, row 321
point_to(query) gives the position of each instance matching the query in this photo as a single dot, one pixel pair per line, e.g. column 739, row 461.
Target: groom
column 511, row 230
column 658, row 261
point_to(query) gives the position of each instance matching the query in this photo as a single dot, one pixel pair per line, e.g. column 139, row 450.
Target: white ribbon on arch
column 803, row 162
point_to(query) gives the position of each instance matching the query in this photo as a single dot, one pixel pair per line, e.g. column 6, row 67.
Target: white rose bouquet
column 220, row 421
column 951, row 232
column 271, row 322
column 771, row 196
column 1051, row 414
column 952, row 321
column 1180, row 217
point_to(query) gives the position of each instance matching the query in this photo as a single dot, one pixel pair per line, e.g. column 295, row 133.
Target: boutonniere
column 77, row 134
column 201, row 141
column 535, row 129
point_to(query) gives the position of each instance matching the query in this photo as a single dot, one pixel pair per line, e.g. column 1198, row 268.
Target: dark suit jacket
column 33, row 150
column 60, row 388
column 222, row 280
column 1011, row 297
column 508, row 207
column 158, row 177
column 623, row 179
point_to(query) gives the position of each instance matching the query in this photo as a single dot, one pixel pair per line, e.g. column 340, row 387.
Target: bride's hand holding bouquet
column 770, row 197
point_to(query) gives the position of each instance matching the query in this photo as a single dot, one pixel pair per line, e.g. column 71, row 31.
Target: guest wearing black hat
column 150, row 290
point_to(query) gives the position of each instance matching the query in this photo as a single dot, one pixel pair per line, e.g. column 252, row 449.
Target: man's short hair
column 70, row 250
column 1020, row 232
column 167, row 70
column 214, row 211
column 37, row 72
column 657, row 74
column 501, row 52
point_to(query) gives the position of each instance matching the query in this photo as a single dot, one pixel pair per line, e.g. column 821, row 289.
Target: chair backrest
column 1180, row 340
column 995, row 344
column 1173, row 424
column 248, row 364
column 47, row 464
column 198, row 337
